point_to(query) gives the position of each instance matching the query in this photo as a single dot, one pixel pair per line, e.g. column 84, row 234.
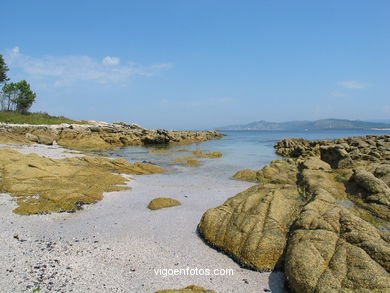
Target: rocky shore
column 98, row 135
column 321, row 215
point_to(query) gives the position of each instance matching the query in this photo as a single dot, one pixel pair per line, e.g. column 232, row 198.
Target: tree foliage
column 17, row 96
column 3, row 70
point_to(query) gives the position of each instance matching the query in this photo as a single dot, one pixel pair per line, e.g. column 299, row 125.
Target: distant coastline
column 324, row 124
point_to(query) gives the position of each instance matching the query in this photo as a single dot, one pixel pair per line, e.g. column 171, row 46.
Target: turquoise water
column 241, row 150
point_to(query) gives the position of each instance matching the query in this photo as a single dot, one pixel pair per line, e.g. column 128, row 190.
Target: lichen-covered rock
column 336, row 156
column 383, row 172
column 252, row 227
column 322, row 215
column 188, row 289
column 332, row 250
column 45, row 185
column 99, row 136
column 246, row 175
column 187, row 161
column 373, row 194
column 32, row 137
column 45, row 140
column 163, row 202
column 212, row 155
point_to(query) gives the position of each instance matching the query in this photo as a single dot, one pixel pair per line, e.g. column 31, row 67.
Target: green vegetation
column 33, row 118
column 16, row 96
column 3, row 70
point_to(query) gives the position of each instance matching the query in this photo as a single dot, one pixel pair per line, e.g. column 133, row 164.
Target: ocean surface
column 240, row 149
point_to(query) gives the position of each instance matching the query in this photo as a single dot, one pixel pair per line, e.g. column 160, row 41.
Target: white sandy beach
column 117, row 244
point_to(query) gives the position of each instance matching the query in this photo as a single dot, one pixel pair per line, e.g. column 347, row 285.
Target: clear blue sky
column 200, row 64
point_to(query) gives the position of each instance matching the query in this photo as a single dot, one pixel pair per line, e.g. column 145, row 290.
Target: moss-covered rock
column 252, row 226
column 187, row 161
column 99, row 136
column 44, row 185
column 246, row 175
column 320, row 215
column 212, row 155
column 163, row 202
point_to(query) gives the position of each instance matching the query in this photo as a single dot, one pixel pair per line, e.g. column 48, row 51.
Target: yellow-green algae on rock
column 99, row 136
column 187, row 161
column 45, row 185
column 212, row 155
column 320, row 215
column 163, row 202
column 188, row 289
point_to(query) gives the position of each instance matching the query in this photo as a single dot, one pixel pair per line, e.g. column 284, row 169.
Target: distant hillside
column 308, row 125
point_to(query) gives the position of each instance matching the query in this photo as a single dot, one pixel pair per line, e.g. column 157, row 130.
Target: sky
column 182, row 64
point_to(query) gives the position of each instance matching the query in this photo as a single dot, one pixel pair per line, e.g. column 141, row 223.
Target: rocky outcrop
column 45, row 185
column 99, row 136
column 163, row 202
column 321, row 215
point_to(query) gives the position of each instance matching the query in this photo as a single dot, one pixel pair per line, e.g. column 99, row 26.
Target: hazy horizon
column 202, row 64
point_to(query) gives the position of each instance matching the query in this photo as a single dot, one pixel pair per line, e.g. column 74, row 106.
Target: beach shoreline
column 116, row 244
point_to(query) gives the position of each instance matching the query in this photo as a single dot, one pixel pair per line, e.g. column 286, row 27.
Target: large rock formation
column 45, row 185
column 321, row 215
column 99, row 136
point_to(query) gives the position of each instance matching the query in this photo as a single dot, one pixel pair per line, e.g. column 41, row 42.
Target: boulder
column 32, row 137
column 252, row 227
column 45, row 140
column 332, row 250
column 321, row 215
column 246, row 175
column 163, row 202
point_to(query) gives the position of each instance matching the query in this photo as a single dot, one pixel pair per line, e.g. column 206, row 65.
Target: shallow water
column 241, row 150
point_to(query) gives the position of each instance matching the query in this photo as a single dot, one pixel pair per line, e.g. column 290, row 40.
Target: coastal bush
column 33, row 118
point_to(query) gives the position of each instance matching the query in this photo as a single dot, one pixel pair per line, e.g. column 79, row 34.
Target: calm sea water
column 241, row 150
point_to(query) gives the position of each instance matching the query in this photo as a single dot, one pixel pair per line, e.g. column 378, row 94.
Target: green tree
column 3, row 70
column 10, row 92
column 25, row 97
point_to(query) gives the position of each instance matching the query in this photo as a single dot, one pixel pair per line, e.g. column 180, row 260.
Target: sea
column 240, row 149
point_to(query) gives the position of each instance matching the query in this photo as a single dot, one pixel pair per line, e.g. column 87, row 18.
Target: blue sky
column 201, row 64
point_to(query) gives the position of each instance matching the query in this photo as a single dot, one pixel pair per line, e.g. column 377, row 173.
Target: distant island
column 308, row 125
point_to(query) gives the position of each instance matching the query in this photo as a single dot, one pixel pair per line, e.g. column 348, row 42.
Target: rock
column 278, row 172
column 45, row 140
column 32, row 137
column 187, row 161
column 99, row 136
column 200, row 154
column 383, row 172
column 336, row 156
column 374, row 195
column 321, row 215
column 369, row 182
column 332, row 250
column 45, row 185
column 252, row 227
column 163, row 202
column 246, row 175
column 315, row 163
column 188, row 289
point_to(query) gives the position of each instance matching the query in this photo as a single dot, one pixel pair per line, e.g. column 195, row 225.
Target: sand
column 117, row 244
